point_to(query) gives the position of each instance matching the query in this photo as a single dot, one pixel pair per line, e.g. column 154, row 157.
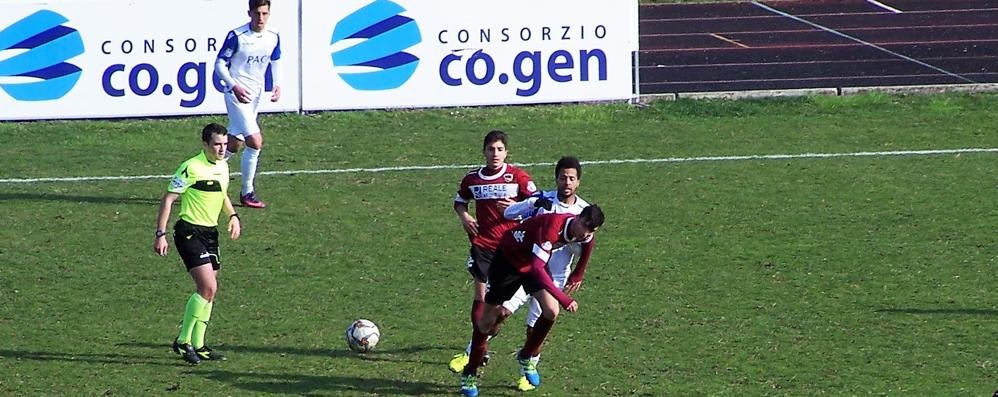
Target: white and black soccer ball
column 362, row 336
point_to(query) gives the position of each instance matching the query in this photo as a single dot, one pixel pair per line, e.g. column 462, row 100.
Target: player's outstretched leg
column 460, row 360
column 469, row 376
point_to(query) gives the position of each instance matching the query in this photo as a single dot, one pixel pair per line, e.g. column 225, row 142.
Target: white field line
column 473, row 166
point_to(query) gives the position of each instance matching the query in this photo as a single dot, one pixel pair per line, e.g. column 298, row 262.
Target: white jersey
column 246, row 55
column 560, row 264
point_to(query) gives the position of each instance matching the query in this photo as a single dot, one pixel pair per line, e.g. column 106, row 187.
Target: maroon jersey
column 487, row 190
column 528, row 248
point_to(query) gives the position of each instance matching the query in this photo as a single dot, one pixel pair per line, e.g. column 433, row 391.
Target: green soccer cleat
column 469, row 385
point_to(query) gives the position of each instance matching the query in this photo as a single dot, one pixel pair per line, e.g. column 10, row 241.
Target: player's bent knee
column 255, row 141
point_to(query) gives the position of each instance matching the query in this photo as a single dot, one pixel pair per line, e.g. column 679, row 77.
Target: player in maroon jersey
column 521, row 261
column 493, row 187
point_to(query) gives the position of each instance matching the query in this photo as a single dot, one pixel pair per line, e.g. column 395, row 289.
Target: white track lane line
column 884, row 6
column 840, row 34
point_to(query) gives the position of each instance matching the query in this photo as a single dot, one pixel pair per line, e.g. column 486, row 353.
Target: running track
column 794, row 44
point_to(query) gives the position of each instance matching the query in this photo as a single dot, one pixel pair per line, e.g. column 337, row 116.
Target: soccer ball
column 362, row 336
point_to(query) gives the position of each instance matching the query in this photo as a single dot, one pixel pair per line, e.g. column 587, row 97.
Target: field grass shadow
column 969, row 312
column 77, row 198
column 299, row 384
column 88, row 358
column 391, row 355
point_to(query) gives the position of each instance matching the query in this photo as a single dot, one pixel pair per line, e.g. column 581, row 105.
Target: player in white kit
column 568, row 173
column 242, row 65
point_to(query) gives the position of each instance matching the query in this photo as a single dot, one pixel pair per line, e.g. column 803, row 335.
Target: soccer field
column 870, row 271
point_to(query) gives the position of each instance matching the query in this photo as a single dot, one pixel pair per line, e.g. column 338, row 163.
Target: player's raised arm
column 524, row 209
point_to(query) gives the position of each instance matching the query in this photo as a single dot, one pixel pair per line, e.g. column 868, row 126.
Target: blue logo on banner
column 43, row 45
column 382, row 37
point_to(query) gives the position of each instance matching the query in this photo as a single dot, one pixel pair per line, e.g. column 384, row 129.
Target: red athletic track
column 742, row 46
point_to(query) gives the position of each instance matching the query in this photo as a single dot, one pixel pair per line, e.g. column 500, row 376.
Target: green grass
column 835, row 276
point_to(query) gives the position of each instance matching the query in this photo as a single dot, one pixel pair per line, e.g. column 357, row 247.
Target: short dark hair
column 212, row 129
column 592, row 217
column 493, row 136
column 568, row 162
column 254, row 4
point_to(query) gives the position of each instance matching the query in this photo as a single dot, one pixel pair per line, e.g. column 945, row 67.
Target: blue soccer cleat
column 469, row 385
column 528, row 368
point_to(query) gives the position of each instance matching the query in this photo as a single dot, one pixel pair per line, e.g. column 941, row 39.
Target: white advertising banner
column 423, row 53
column 111, row 58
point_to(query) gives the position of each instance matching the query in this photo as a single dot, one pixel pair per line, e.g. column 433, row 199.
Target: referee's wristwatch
column 160, row 233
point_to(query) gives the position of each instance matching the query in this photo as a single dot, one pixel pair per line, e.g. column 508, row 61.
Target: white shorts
column 242, row 116
column 518, row 299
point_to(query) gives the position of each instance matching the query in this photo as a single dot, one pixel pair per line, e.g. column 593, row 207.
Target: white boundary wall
column 145, row 58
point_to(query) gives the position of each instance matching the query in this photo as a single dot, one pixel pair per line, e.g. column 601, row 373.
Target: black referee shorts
column 197, row 245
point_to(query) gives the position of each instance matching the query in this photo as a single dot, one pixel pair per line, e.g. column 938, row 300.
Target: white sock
column 228, row 154
column 250, row 157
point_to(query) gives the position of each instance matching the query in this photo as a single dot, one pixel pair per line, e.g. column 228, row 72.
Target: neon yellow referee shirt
column 202, row 186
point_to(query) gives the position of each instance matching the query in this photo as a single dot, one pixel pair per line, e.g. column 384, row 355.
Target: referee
column 200, row 183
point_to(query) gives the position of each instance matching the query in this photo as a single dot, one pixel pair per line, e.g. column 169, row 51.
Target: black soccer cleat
column 186, row 351
column 205, row 353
